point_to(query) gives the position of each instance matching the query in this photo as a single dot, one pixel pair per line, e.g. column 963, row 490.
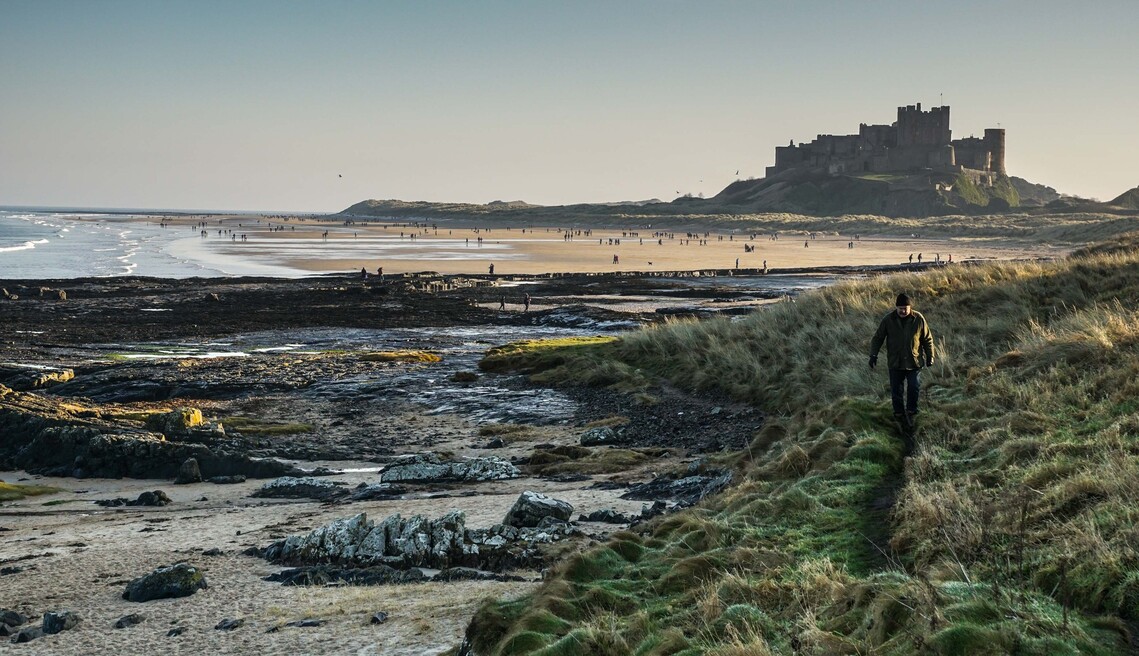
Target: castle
column 917, row 141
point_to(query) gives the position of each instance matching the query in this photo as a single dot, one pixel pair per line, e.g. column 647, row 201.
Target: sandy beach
column 300, row 246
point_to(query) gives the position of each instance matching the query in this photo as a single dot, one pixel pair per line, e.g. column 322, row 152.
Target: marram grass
column 1014, row 527
column 17, row 491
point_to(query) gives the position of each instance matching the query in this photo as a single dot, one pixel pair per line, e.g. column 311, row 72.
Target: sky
column 313, row 106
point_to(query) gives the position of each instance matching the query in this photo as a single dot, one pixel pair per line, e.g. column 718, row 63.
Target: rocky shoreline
column 247, row 428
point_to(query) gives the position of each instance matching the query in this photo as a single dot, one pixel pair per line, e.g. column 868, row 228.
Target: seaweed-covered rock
column 531, row 508
column 306, row 487
column 430, row 467
column 155, row 498
column 181, row 580
column 176, row 422
column 23, row 378
column 54, row 438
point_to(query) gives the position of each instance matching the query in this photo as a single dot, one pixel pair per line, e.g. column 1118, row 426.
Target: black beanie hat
column 902, row 300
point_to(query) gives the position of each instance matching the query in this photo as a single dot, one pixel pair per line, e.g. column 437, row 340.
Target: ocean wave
column 28, row 245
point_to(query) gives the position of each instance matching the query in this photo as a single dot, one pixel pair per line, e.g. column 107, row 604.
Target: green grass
column 1014, row 525
column 16, row 491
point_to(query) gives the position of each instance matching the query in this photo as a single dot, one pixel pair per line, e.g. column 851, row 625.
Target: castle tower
column 918, row 128
column 995, row 144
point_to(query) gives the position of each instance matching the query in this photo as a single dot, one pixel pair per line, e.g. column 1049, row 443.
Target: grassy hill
column 1127, row 200
column 891, row 195
column 1012, row 529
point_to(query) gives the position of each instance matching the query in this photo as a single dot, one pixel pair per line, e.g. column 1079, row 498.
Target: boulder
column 607, row 516
column 531, row 508
column 59, row 621
column 127, row 621
column 430, row 467
column 176, row 422
column 189, row 472
column 379, row 617
column 229, row 624
column 306, row 487
column 181, row 580
column 28, row 634
column 598, row 436
column 11, row 617
column 685, row 491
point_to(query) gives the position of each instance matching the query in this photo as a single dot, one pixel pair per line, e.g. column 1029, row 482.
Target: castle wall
column 918, row 140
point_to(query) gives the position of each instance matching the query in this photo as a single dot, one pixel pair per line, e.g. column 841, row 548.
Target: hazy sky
column 263, row 105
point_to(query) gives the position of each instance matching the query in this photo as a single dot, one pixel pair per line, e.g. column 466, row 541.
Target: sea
column 37, row 243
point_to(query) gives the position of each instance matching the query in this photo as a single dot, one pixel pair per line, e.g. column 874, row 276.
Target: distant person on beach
column 492, row 268
column 909, row 347
column 526, row 303
column 363, row 273
column 502, row 302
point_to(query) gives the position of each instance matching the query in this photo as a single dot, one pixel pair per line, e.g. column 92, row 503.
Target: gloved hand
column 873, row 361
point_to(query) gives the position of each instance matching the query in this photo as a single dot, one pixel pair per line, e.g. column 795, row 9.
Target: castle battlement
column 918, row 140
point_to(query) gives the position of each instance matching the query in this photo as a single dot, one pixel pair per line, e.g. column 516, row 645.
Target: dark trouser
column 907, row 378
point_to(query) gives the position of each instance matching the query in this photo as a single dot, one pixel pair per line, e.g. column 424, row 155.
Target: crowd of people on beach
column 480, row 235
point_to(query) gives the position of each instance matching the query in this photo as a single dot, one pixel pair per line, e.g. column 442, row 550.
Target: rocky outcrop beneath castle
column 904, row 194
column 52, row 438
column 430, row 467
column 416, row 541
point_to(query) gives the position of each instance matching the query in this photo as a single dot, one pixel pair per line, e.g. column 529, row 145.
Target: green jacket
column 909, row 343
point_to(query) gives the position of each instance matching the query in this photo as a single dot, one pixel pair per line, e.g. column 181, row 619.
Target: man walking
column 909, row 347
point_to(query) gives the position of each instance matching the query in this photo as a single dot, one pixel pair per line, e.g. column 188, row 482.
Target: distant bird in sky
column 339, row 175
